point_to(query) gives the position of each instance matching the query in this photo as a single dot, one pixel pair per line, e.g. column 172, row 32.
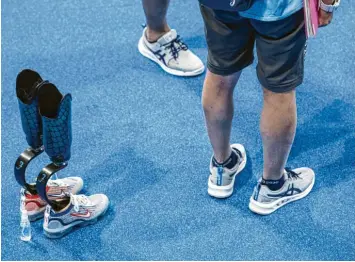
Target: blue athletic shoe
column 298, row 183
column 81, row 211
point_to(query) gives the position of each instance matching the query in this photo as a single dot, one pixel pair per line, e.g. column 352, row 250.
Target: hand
column 324, row 18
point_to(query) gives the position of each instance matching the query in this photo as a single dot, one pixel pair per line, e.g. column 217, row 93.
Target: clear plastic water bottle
column 22, row 199
column 26, row 233
column 25, row 222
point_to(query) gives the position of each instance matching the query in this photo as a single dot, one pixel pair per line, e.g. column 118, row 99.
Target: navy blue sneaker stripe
column 291, row 190
column 219, row 175
column 157, row 54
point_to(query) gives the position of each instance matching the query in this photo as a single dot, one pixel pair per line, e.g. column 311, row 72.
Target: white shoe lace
column 80, row 200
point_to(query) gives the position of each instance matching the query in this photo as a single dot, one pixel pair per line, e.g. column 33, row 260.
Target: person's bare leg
column 217, row 101
column 277, row 127
column 155, row 13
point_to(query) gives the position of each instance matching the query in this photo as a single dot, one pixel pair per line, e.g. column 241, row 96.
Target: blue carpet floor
column 139, row 137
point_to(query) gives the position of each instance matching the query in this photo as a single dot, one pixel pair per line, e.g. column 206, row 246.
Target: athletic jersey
column 263, row 10
column 272, row 10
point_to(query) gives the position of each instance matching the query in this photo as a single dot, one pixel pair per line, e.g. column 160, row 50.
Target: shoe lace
column 79, row 200
column 292, row 174
column 175, row 46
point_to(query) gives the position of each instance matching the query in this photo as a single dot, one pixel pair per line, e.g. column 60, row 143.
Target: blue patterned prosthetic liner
column 57, row 132
column 31, row 123
column 27, row 84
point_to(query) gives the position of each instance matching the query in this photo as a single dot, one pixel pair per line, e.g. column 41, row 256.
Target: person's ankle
column 152, row 35
column 221, row 158
column 273, row 182
column 228, row 162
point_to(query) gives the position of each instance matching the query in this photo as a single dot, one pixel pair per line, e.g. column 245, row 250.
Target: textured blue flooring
column 139, row 137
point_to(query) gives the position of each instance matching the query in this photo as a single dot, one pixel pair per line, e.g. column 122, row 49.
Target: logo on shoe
column 87, row 214
column 291, row 190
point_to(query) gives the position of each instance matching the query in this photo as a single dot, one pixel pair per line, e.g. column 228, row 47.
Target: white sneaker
column 221, row 179
column 172, row 54
column 298, row 183
column 56, row 189
column 81, row 211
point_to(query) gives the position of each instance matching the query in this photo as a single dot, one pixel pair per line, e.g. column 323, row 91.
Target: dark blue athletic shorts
column 280, row 47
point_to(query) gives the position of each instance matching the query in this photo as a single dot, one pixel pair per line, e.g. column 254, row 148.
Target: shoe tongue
column 72, row 201
column 168, row 37
column 56, row 182
column 78, row 199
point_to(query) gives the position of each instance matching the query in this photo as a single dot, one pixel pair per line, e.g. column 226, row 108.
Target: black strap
column 42, row 180
column 21, row 164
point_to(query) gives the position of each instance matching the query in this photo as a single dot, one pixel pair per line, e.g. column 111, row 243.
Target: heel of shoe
column 59, row 234
column 36, row 217
column 65, row 231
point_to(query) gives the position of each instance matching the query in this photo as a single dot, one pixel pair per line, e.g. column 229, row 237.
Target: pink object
column 311, row 8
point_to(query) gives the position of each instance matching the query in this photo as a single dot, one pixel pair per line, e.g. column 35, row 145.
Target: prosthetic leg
column 69, row 211
column 46, row 120
column 27, row 85
column 55, row 111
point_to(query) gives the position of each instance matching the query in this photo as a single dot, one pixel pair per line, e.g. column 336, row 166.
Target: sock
column 229, row 163
column 273, row 184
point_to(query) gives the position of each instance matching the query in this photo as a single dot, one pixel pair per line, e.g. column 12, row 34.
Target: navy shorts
column 280, row 47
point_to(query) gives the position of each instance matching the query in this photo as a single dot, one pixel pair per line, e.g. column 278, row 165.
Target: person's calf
column 155, row 13
column 277, row 127
column 217, row 102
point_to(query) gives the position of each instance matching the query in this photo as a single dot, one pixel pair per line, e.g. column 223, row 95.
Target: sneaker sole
column 148, row 54
column 38, row 215
column 62, row 233
column 266, row 209
column 227, row 191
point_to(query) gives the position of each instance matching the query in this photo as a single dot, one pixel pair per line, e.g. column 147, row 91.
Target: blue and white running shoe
column 298, row 183
column 221, row 179
column 81, row 211
column 171, row 54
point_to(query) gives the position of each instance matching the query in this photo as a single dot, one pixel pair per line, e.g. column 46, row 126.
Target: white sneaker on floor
column 298, row 183
column 171, row 54
column 81, row 211
column 56, row 189
column 221, row 179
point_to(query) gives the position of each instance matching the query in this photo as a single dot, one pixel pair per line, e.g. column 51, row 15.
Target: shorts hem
column 282, row 88
column 227, row 71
